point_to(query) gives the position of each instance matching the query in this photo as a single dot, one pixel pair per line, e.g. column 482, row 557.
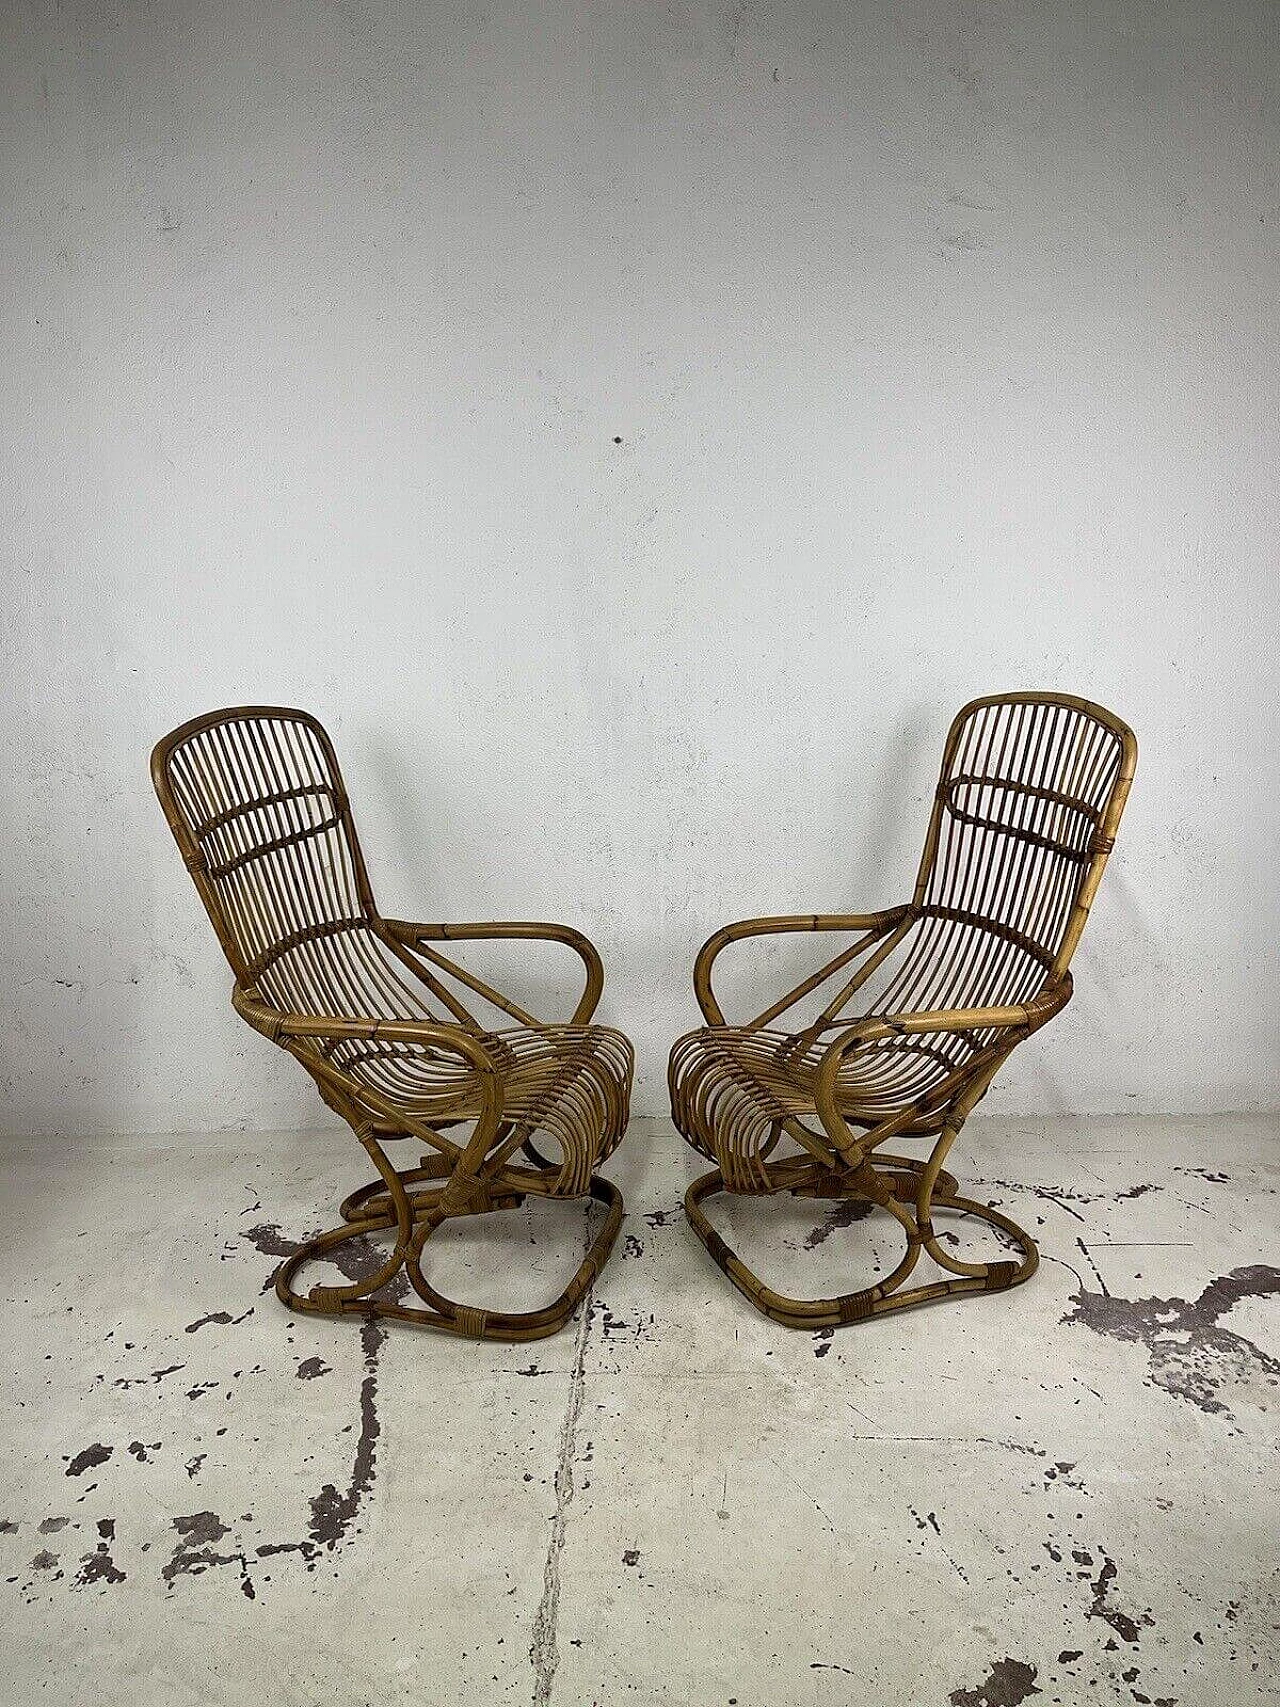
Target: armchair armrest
column 1022, row 1018
column 287, row 1029
column 411, row 936
column 874, row 924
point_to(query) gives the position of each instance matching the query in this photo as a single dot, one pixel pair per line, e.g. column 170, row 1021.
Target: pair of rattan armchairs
column 896, row 1035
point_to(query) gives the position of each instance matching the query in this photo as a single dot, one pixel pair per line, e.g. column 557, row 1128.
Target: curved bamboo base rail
column 364, row 1214
column 885, row 1294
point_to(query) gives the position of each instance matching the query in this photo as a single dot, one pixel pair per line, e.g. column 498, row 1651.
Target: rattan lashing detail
column 922, row 1007
column 380, row 1018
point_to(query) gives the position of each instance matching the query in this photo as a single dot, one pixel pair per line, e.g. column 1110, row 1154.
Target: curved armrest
column 1023, row 1017
column 285, row 1027
column 410, row 935
column 874, row 923
column 289, row 1028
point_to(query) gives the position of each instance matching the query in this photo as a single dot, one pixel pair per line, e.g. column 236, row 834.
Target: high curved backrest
column 256, row 802
column 1025, row 814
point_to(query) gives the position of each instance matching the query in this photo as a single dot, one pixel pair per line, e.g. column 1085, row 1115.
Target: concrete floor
column 1062, row 1494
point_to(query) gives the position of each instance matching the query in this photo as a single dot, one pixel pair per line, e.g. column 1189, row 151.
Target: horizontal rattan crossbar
column 918, row 1010
column 382, row 1019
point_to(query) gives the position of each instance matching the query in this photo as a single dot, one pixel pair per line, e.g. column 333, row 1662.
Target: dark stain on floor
column 1007, row 1684
column 355, row 1261
column 1191, row 1356
column 333, row 1513
column 205, row 1540
column 843, row 1215
column 124, row 1382
column 269, row 1241
column 199, row 1534
column 98, row 1567
column 1127, row 1628
column 223, row 1317
column 89, row 1459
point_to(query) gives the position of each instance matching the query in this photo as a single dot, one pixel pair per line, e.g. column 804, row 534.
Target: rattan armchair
column 379, row 1017
column 920, row 1010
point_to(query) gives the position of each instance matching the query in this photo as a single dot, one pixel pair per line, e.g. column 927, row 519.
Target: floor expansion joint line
column 544, row 1651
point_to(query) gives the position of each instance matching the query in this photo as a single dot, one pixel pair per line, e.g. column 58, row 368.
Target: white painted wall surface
column 941, row 343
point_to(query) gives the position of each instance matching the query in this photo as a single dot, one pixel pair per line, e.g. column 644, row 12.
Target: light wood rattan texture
column 920, row 1009
column 381, row 1017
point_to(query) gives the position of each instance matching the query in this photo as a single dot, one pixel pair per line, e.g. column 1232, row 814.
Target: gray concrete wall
column 635, row 429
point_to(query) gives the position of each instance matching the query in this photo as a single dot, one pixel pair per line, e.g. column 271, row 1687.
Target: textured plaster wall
column 634, row 429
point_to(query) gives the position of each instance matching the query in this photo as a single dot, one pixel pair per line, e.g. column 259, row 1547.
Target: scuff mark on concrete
column 1190, row 1354
column 930, row 1521
column 1007, row 1684
column 544, row 1652
column 1062, row 1198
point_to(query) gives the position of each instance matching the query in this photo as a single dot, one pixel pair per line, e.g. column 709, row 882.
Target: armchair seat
column 567, row 1083
column 732, row 1088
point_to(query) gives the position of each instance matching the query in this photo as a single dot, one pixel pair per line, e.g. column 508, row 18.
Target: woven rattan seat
column 382, row 1018
column 920, row 1009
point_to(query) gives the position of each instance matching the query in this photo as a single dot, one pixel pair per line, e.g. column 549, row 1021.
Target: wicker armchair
column 920, row 1009
column 378, row 1015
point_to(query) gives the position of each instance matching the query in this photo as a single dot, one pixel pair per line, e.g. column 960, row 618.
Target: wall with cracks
column 634, row 430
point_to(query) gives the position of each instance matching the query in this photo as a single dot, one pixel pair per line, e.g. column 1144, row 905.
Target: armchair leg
column 897, row 1178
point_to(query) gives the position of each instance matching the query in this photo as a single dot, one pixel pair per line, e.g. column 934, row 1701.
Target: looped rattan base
column 887, row 1294
column 364, row 1215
